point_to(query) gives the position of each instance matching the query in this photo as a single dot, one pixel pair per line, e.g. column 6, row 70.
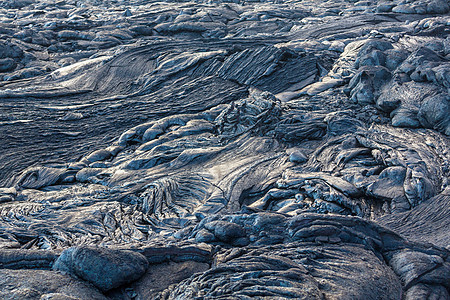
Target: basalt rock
column 224, row 149
column 106, row 269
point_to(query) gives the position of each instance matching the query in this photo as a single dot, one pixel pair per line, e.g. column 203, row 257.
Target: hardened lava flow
column 224, row 149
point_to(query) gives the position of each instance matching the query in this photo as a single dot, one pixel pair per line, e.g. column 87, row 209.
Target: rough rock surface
column 224, row 149
column 40, row 284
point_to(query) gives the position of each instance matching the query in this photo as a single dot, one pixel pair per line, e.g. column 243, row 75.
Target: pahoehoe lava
column 233, row 149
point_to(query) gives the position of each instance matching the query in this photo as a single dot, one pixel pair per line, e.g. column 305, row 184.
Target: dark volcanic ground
column 220, row 150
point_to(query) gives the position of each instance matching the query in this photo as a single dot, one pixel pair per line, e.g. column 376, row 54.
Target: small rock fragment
column 298, row 157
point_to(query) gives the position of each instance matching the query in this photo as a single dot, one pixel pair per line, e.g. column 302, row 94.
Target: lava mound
column 224, row 149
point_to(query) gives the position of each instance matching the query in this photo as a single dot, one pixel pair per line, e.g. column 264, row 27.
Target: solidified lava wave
column 224, row 150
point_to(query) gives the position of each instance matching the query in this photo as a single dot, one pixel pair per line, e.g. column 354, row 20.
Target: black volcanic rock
column 7, row 64
column 224, row 149
column 9, row 50
column 104, row 268
column 42, row 284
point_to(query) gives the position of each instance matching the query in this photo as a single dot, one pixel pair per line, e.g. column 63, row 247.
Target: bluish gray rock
column 7, row 64
column 104, row 268
column 435, row 113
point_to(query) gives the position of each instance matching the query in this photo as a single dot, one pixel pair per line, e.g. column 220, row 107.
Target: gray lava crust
column 281, row 149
